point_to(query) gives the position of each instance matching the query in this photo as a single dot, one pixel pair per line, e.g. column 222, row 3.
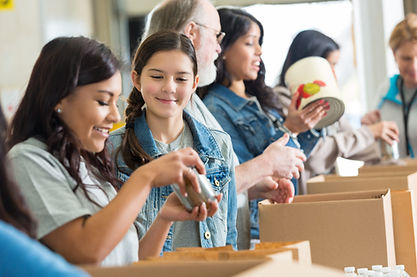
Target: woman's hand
column 305, row 119
column 371, row 117
column 173, row 167
column 386, row 131
column 173, row 210
column 278, row 190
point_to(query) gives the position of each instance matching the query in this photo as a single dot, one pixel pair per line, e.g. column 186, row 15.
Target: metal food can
column 389, row 152
column 193, row 198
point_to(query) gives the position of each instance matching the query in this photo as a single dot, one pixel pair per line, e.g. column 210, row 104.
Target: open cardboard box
column 404, row 207
column 343, row 228
column 246, row 268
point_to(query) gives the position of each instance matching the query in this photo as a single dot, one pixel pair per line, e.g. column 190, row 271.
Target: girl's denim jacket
column 215, row 150
column 252, row 131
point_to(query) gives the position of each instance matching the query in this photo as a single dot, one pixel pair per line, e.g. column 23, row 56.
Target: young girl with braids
column 60, row 161
column 164, row 74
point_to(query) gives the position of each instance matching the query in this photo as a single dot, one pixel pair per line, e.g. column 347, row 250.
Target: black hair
column 307, row 43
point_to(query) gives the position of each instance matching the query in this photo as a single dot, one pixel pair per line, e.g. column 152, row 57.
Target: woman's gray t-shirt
column 48, row 190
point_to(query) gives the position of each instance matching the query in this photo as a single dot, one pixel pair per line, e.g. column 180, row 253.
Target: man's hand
column 279, row 190
column 284, row 161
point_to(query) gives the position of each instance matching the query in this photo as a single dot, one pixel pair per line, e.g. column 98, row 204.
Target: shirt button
column 216, row 182
column 207, row 235
column 308, row 136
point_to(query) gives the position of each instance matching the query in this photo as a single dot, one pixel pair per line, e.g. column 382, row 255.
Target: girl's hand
column 173, row 167
column 173, row 210
column 305, row 119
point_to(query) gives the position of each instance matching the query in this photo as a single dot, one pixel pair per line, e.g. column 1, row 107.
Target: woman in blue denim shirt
column 244, row 106
column 165, row 76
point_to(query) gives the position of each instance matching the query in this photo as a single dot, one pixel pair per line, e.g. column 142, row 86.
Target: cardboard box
column 281, row 254
column 325, row 184
column 343, row 228
column 290, row 270
column 300, row 252
column 404, row 208
column 176, row 268
column 300, row 249
column 215, row 268
column 401, row 165
column 405, row 232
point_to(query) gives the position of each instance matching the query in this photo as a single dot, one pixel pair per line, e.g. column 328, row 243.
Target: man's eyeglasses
column 219, row 35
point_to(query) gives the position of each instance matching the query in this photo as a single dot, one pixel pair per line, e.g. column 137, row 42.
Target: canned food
column 194, row 198
column 389, row 152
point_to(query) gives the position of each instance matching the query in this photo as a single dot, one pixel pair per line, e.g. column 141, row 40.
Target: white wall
column 25, row 29
column 20, row 43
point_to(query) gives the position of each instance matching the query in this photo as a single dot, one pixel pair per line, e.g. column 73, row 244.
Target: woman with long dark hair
column 20, row 254
column 341, row 139
column 244, row 106
column 57, row 144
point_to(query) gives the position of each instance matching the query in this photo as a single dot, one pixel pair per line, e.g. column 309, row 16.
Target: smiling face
column 243, row 57
column 406, row 57
column 91, row 110
column 167, row 82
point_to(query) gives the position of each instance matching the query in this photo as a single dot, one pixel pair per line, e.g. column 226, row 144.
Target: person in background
column 340, row 139
column 57, row 142
column 199, row 21
column 164, row 75
column 20, row 253
column 244, row 106
column 398, row 95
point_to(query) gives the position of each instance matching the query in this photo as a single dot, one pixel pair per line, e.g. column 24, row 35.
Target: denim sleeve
column 308, row 140
column 239, row 145
column 231, row 238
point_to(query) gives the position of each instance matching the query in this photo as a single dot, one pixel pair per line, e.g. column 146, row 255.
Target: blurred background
column 361, row 27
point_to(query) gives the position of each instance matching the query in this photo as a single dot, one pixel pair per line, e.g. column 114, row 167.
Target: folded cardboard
column 282, row 254
column 245, row 268
column 300, row 252
column 291, row 270
column 399, row 165
column 176, row 269
column 404, row 207
column 300, row 249
column 343, row 228
column 405, row 235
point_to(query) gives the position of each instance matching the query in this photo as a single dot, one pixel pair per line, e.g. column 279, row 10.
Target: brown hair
column 405, row 30
column 13, row 209
column 132, row 153
column 64, row 64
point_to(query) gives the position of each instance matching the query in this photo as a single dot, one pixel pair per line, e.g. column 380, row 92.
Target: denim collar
column 204, row 142
column 232, row 99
